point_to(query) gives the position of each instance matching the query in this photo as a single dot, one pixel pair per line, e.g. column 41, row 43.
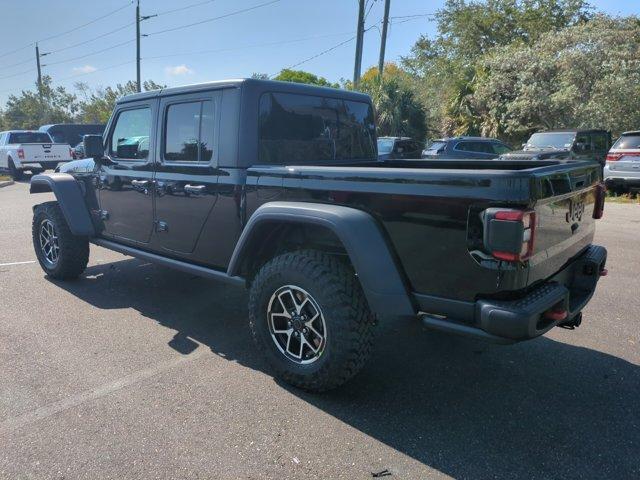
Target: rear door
column 186, row 177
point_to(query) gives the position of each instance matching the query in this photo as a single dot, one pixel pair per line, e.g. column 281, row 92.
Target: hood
column 535, row 154
column 84, row 165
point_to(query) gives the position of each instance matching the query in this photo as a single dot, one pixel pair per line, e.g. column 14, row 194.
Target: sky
column 94, row 41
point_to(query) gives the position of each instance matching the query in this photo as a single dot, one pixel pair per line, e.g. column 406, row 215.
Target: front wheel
column 309, row 317
column 61, row 254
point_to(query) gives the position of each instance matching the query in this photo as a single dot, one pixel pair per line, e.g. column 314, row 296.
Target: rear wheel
column 61, row 254
column 309, row 317
column 13, row 171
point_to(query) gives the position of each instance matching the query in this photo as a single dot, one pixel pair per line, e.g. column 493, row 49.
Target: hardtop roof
column 267, row 85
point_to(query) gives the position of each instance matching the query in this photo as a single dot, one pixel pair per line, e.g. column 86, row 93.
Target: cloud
column 178, row 70
column 85, row 69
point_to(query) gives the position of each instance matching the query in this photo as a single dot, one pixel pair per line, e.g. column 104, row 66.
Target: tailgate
column 564, row 218
column 45, row 152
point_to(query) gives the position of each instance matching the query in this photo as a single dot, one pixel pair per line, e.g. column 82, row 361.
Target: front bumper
column 507, row 321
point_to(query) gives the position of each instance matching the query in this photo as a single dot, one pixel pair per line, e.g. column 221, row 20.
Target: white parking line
column 76, row 400
column 16, row 263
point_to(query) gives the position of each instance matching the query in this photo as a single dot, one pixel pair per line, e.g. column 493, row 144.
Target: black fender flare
column 365, row 243
column 70, row 197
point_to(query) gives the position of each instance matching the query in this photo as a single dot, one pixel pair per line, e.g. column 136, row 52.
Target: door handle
column 194, row 189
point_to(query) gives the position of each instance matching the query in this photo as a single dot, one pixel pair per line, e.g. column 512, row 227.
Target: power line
column 84, row 42
column 237, row 12
column 88, row 23
column 19, row 73
column 68, row 31
column 256, row 45
column 88, row 54
column 324, row 52
column 186, row 7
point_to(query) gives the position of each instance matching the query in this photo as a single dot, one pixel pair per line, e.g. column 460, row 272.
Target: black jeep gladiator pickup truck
column 276, row 187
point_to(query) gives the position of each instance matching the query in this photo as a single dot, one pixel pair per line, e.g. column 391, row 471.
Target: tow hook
column 556, row 314
column 574, row 323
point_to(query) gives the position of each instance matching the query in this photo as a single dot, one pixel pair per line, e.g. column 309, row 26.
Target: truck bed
column 431, row 213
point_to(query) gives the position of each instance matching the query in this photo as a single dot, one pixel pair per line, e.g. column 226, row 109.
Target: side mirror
column 93, row 147
column 524, row 145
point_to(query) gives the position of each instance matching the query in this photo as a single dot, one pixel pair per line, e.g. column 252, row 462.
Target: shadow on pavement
column 541, row 409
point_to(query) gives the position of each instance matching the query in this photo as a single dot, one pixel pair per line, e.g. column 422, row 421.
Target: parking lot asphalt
column 137, row 371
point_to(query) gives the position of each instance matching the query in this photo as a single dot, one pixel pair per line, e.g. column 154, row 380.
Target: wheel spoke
column 316, row 333
column 288, row 331
column 311, row 346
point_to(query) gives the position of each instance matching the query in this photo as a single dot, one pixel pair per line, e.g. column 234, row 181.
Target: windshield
column 385, row 145
column 628, row 141
column 29, row 137
column 556, row 141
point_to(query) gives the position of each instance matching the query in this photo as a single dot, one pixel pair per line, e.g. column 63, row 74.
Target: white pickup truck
column 22, row 150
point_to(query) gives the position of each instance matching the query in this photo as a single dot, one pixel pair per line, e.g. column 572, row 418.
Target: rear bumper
column 45, row 165
column 621, row 178
column 524, row 318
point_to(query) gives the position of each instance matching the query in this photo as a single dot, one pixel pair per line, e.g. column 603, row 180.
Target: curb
column 6, row 183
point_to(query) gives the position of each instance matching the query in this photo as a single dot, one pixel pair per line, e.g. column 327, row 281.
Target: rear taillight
column 598, row 207
column 510, row 234
column 614, row 157
column 21, row 154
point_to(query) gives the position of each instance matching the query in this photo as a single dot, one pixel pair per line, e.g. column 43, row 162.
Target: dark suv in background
column 564, row 144
column 465, row 147
column 394, row 148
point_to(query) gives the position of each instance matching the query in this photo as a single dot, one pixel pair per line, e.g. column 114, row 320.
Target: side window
column 310, row 129
column 463, row 146
column 584, row 142
column 500, row 148
column 600, row 141
column 2, row 136
column 189, row 132
column 130, row 136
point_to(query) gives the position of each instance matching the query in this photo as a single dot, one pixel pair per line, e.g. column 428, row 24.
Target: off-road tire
column 349, row 323
column 15, row 173
column 73, row 252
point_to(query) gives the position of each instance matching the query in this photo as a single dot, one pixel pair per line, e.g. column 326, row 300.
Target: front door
column 125, row 181
column 186, row 177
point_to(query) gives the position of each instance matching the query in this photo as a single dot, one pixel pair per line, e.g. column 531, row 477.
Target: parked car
column 560, row 144
column 622, row 170
column 270, row 186
column 22, row 150
column 465, row 147
column 394, row 148
column 72, row 133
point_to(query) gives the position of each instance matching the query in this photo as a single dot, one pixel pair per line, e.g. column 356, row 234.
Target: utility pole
column 383, row 41
column 138, row 46
column 359, row 40
column 38, row 63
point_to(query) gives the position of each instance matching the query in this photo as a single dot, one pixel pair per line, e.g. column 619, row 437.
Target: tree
column 96, row 106
column 587, row 75
column 447, row 66
column 300, row 76
column 398, row 112
column 46, row 104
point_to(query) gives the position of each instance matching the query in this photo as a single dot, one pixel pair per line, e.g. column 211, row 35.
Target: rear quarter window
column 628, row 141
column 29, row 137
column 296, row 128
